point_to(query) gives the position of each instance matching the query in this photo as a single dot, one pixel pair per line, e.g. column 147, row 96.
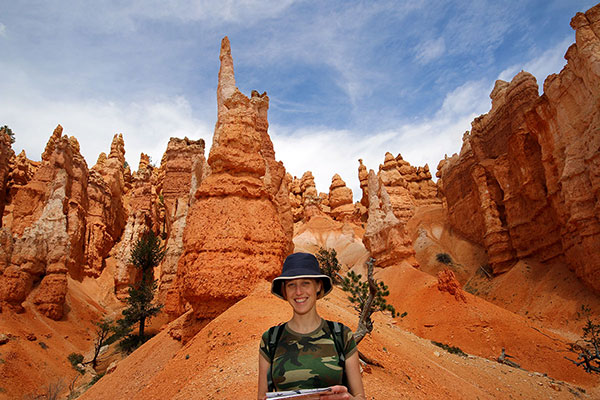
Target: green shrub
column 450, row 349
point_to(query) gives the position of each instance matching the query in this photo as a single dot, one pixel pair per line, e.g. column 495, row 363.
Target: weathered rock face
column 304, row 199
column 44, row 240
column 340, row 199
column 447, row 282
column 234, row 234
column 6, row 158
column 501, row 180
column 184, row 167
column 386, row 236
column 526, row 182
column 566, row 124
column 142, row 201
column 408, row 187
column 106, row 215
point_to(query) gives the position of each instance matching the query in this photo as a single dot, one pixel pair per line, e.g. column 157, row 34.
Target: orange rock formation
column 42, row 240
column 408, row 187
column 525, row 182
column 386, row 236
column 106, row 216
column 184, row 169
column 340, row 199
column 236, row 232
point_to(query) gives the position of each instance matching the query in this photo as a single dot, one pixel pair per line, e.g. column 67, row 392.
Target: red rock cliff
column 526, row 181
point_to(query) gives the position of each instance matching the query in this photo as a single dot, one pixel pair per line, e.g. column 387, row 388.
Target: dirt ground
column 531, row 312
column 220, row 362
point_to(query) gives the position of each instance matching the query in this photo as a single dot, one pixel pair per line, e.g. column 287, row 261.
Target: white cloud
column 431, row 50
column 2, row 30
column 146, row 125
column 549, row 62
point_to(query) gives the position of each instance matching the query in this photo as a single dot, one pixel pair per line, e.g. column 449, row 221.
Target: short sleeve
column 263, row 351
column 350, row 343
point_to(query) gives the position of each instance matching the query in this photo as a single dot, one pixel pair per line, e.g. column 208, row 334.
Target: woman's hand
column 338, row 392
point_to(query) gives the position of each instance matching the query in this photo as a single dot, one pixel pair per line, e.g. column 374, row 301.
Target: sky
column 346, row 79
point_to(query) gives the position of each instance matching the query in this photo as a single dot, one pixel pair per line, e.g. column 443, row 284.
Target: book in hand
column 303, row 394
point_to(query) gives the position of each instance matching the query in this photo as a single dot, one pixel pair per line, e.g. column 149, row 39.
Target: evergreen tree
column 9, row 132
column 146, row 254
column 329, row 263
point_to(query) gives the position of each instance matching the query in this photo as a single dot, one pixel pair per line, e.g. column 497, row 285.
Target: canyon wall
column 526, row 181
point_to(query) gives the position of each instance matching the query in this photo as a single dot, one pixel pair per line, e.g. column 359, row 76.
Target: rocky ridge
column 525, row 183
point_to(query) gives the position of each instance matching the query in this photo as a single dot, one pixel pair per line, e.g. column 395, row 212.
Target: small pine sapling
column 588, row 347
column 367, row 298
column 329, row 263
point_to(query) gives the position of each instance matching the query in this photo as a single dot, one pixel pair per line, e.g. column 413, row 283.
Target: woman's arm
column 354, row 377
column 263, row 369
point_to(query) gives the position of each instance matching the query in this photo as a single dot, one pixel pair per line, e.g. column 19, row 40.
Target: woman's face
column 302, row 293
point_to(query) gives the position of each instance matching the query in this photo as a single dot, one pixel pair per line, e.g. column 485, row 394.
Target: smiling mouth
column 300, row 300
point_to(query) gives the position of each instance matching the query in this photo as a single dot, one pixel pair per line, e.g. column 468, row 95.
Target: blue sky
column 346, row 79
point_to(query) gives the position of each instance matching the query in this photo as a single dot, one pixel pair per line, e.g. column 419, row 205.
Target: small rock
column 111, row 368
column 436, row 353
column 4, row 338
column 31, row 337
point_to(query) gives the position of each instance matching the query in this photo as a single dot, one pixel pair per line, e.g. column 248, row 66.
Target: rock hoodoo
column 408, row 187
column 340, row 199
column 236, row 233
column 184, row 167
column 42, row 239
column 107, row 215
column 385, row 237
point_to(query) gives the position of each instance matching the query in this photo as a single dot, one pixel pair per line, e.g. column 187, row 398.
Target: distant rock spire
column 226, row 86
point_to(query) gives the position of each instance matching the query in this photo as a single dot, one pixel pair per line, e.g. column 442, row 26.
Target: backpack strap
column 337, row 332
column 273, row 337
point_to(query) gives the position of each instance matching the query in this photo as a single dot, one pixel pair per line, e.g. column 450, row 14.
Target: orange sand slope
column 220, row 361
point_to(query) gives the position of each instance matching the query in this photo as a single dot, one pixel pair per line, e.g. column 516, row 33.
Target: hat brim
column 277, row 284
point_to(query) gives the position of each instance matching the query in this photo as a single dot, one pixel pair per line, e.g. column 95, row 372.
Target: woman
column 305, row 353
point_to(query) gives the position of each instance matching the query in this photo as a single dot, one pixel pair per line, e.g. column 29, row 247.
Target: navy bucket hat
column 301, row 265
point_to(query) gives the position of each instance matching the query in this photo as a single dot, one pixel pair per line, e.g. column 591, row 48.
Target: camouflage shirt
column 306, row 361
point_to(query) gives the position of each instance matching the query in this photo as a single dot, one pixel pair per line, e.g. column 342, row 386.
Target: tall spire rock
column 226, row 85
column 239, row 228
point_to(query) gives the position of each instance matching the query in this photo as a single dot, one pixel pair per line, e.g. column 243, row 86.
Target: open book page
column 303, row 394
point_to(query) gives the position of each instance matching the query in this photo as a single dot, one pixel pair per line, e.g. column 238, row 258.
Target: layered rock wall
column 526, row 182
column 43, row 242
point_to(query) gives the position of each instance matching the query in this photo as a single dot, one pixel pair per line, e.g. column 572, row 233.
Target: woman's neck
column 305, row 323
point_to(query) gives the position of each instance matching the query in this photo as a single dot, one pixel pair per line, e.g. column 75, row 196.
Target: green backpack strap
column 273, row 337
column 337, row 332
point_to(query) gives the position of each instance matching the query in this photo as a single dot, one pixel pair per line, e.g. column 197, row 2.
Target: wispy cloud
column 430, row 50
column 2, row 30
